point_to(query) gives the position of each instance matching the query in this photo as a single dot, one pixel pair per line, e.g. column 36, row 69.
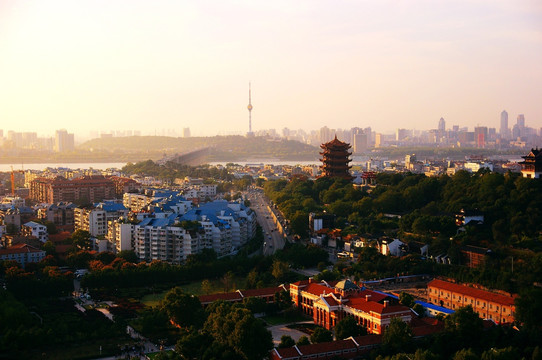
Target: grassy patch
column 193, row 288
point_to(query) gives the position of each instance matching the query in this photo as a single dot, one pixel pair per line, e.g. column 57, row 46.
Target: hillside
column 223, row 148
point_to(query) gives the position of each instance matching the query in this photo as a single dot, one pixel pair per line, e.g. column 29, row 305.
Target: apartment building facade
column 60, row 189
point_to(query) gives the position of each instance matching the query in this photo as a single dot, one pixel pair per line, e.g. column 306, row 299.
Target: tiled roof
column 317, row 289
column 469, row 291
column 286, row 353
column 367, row 340
column 261, row 292
column 326, row 347
column 373, row 306
column 19, row 249
column 234, row 296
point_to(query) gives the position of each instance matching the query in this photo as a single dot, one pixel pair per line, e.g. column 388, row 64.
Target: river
column 97, row 166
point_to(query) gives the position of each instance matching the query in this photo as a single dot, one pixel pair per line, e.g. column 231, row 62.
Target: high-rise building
column 360, row 143
column 521, row 121
column 186, row 132
column 441, row 126
column 64, row 141
column 504, row 132
column 480, row 136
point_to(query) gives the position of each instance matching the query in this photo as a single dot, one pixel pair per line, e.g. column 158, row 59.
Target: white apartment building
column 120, row 235
column 158, row 239
column 206, row 191
column 36, row 230
column 136, row 202
column 92, row 220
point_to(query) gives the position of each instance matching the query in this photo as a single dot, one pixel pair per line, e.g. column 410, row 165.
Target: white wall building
column 36, row 230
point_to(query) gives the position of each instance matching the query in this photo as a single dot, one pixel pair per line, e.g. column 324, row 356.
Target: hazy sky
column 146, row 65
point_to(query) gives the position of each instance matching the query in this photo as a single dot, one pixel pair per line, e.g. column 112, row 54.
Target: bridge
column 192, row 158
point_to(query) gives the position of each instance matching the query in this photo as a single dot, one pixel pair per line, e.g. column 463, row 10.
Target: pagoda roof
column 335, row 143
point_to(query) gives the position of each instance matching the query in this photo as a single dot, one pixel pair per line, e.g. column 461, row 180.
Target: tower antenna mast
column 249, row 107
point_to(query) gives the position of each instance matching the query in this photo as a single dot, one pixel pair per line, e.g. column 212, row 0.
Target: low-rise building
column 329, row 303
column 498, row 307
column 22, row 253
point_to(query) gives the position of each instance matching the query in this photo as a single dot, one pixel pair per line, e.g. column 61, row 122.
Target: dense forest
column 414, row 207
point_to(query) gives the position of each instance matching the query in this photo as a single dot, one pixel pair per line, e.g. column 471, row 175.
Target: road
column 260, row 204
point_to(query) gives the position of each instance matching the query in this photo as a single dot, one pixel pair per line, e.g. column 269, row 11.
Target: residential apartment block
column 488, row 305
column 88, row 188
column 92, row 220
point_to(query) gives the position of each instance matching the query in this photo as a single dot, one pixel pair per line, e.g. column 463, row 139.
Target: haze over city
column 100, row 66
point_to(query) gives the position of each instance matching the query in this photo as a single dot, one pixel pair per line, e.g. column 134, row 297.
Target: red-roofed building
column 22, row 253
column 349, row 348
column 328, row 304
column 352, row 347
column 498, row 307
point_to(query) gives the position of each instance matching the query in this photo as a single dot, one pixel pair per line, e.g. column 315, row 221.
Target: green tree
column 529, row 308
column 192, row 344
column 466, row 326
column 206, row 287
column 279, row 269
column 466, row 354
column 235, row 327
column 184, row 309
column 508, row 353
column 406, row 299
column 397, row 336
column 227, row 280
column 128, row 255
column 81, row 239
column 320, row 335
column 303, row 340
column 349, row 327
column 286, row 341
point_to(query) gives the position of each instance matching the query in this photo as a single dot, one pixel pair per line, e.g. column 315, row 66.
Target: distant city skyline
column 97, row 66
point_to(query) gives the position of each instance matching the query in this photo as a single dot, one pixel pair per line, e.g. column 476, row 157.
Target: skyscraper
column 480, row 136
column 521, row 121
column 504, row 125
column 64, row 141
column 441, row 126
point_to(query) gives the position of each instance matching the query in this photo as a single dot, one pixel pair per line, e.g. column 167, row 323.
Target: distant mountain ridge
column 222, row 148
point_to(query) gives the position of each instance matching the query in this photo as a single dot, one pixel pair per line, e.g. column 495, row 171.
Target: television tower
column 249, row 107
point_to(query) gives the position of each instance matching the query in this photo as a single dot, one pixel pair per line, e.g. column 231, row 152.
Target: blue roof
column 111, row 206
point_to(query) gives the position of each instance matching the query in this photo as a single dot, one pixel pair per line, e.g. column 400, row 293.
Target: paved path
column 279, row 330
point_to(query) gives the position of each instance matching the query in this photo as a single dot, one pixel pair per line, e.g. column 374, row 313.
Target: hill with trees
column 222, row 148
column 418, row 208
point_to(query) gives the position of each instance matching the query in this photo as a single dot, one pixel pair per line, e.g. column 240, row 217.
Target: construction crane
column 13, row 180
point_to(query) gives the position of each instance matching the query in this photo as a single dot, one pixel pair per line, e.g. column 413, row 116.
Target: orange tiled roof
column 475, row 293
column 261, row 292
column 373, row 306
column 326, row 347
column 317, row 289
column 234, row 296
column 19, row 249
